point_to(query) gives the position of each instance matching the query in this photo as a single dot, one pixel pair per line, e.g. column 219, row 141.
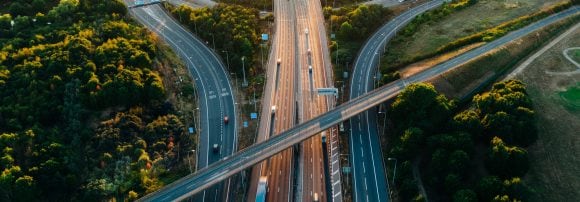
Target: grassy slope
column 485, row 14
column 555, row 169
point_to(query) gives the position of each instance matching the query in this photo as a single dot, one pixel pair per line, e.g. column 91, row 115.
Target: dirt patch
column 555, row 158
column 425, row 64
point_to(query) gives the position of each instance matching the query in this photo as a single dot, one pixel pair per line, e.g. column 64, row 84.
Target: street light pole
column 395, row 171
column 189, row 160
column 213, row 41
column 384, row 120
column 245, row 82
column 227, row 59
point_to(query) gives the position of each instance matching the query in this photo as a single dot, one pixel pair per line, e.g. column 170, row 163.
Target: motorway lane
column 221, row 170
column 215, row 92
column 280, row 93
column 313, row 170
column 369, row 177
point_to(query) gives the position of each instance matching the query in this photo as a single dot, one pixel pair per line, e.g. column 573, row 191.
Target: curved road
column 212, row 83
column 365, row 148
column 221, row 170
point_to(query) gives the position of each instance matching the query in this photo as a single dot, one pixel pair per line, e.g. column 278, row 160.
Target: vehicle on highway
column 262, row 189
column 310, row 69
column 279, row 61
column 306, row 31
column 309, row 52
column 216, row 148
column 273, row 109
column 226, row 119
column 315, row 197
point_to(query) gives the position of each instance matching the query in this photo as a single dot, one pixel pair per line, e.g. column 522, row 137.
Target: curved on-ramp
column 216, row 98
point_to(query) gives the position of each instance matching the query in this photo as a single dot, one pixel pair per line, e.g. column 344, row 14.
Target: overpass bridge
column 204, row 178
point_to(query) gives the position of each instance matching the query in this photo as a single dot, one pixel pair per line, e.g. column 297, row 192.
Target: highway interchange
column 365, row 148
column 214, row 89
column 221, row 170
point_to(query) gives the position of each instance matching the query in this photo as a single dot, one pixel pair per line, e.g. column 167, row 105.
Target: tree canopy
column 78, row 97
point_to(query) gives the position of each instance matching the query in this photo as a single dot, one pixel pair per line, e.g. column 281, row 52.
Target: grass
column 576, row 55
column 483, row 15
column 571, row 97
column 554, row 173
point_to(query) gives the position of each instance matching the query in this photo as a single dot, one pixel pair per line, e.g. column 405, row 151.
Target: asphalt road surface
column 221, row 170
column 315, row 72
column 281, row 91
column 368, row 172
column 212, row 84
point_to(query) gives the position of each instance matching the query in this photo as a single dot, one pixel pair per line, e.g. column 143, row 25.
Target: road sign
column 346, row 170
column 328, row 91
column 254, row 115
column 245, row 124
column 264, row 37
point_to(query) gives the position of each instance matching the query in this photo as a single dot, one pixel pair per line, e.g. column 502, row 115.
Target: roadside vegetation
column 261, row 5
column 84, row 110
column 474, row 152
column 460, row 24
column 233, row 31
column 352, row 25
column 471, row 77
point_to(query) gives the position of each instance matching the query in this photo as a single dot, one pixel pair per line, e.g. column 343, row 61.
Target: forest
column 474, row 152
column 83, row 109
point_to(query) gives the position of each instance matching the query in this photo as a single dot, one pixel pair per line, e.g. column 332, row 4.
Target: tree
column 506, row 161
column 25, row 189
column 420, row 105
column 38, row 6
column 346, row 31
column 488, row 187
column 467, row 121
column 465, row 195
column 18, row 8
column 5, row 25
column 412, row 139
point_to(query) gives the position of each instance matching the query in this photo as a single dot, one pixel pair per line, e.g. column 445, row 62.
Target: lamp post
column 384, row 120
column 213, row 41
column 395, row 171
column 189, row 159
column 227, row 58
column 245, row 82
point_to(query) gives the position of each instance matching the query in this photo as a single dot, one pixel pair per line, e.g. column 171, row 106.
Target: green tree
column 420, row 105
column 506, row 161
column 488, row 187
column 465, row 195
column 25, row 189
column 468, row 121
column 346, row 31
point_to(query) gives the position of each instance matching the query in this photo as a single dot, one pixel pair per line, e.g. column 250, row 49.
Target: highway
column 281, row 91
column 315, row 72
column 212, row 83
column 368, row 171
column 221, row 170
